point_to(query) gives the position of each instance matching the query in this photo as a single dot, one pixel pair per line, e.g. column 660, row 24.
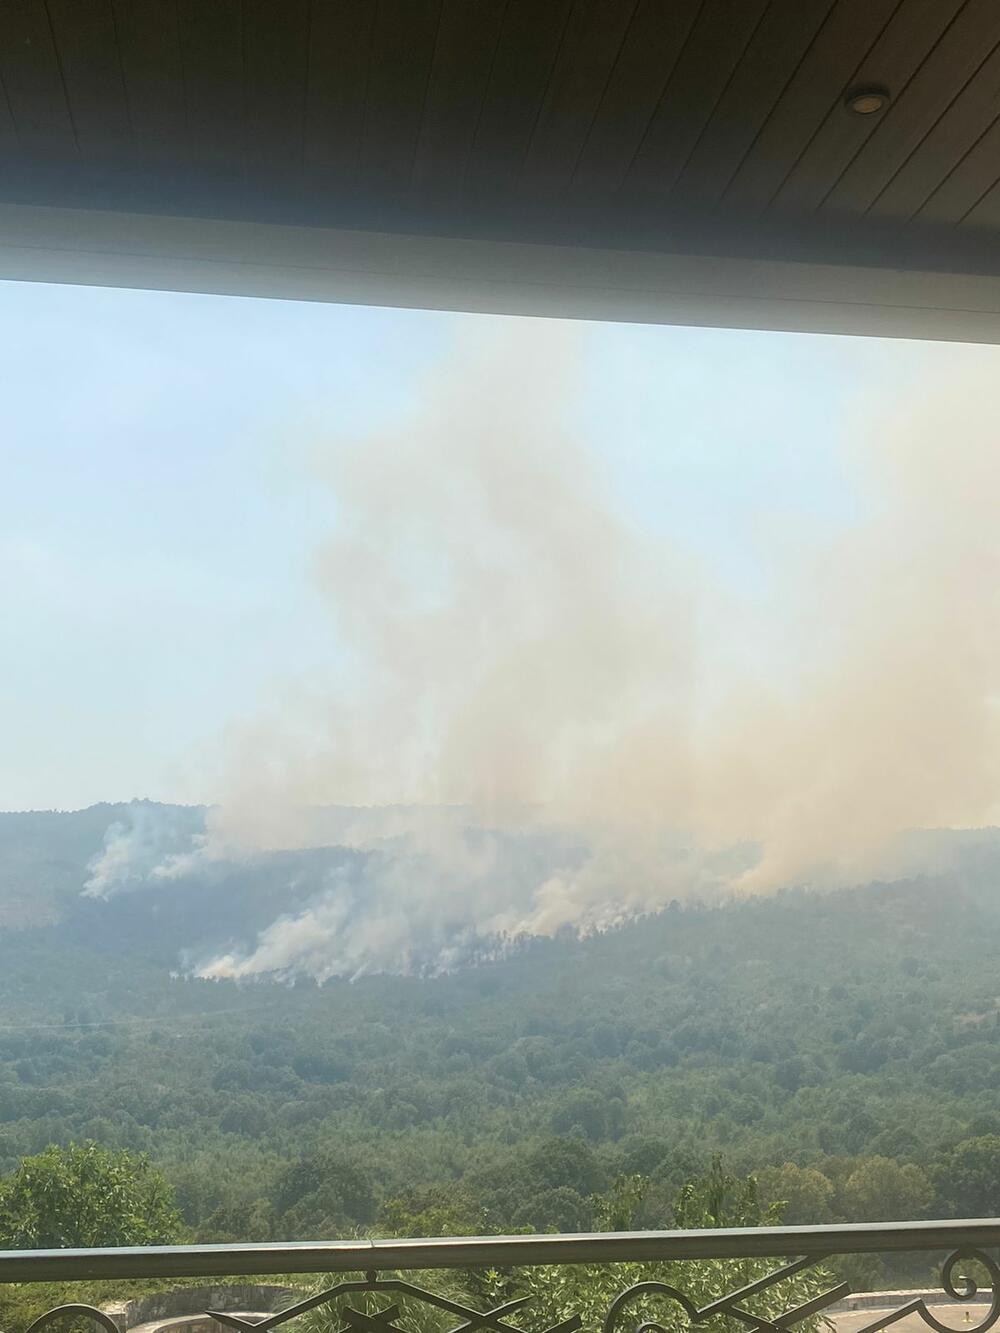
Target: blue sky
column 159, row 514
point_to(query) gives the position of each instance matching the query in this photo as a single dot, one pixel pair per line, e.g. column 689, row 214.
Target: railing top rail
column 339, row 1256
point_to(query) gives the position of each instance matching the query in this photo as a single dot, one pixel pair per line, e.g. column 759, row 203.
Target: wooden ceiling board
column 340, row 40
column 592, row 42
column 816, row 87
column 777, row 47
column 467, row 39
column 403, row 41
column 963, row 47
column 970, row 181
column 957, row 132
column 526, row 54
column 655, row 37
column 276, row 55
column 8, row 135
column 211, row 39
column 32, row 80
column 712, row 127
column 9, row 147
column 715, row 47
column 149, row 44
column 87, row 48
column 984, row 215
column 891, row 62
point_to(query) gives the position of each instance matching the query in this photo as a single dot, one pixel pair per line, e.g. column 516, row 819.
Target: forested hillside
column 845, row 1047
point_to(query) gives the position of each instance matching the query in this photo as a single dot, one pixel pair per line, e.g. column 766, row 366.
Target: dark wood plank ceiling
column 690, row 123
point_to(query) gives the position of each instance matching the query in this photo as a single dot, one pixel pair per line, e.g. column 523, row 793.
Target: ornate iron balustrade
column 380, row 1261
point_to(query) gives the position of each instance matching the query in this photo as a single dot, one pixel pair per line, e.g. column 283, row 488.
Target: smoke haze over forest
column 551, row 714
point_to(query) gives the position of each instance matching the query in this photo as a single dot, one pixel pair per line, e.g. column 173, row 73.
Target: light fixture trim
column 867, row 101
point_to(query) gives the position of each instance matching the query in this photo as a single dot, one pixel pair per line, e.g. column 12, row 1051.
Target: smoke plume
column 521, row 653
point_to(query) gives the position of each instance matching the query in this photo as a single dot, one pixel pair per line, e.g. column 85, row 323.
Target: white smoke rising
column 148, row 845
column 413, row 907
column 889, row 721
column 511, row 634
column 526, row 655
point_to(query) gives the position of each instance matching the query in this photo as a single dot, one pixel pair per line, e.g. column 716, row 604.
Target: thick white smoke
column 524, row 653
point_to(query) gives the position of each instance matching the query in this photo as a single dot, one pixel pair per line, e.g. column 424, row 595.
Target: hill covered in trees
column 843, row 1047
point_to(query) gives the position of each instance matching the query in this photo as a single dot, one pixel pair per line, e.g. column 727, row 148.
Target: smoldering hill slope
column 130, row 878
column 47, row 860
column 135, row 876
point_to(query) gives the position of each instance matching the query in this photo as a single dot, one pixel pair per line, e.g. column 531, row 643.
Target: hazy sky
column 159, row 511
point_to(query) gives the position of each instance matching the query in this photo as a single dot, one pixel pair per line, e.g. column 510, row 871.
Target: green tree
column 586, row 1111
column 565, row 1162
column 85, row 1195
column 969, row 1177
column 323, row 1195
column 715, row 1199
column 718, row 1199
column 557, row 1292
column 557, row 1209
column 440, row 1210
column 803, row 1193
column 881, row 1190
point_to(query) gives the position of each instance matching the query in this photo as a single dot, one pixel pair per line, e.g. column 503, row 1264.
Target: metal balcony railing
column 386, row 1268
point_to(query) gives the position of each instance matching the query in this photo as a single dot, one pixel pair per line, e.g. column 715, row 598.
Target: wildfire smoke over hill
column 521, row 651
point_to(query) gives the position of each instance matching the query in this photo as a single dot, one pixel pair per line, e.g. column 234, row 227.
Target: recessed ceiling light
column 867, row 101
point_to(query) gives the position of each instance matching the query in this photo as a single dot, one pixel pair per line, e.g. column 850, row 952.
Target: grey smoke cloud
column 525, row 654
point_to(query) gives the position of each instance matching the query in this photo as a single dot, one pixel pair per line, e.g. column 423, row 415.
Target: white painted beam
column 40, row 244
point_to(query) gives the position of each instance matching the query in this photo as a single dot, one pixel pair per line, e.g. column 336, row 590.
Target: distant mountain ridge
column 44, row 855
column 129, row 876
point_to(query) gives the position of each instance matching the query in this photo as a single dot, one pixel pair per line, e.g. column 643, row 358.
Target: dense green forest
column 844, row 1048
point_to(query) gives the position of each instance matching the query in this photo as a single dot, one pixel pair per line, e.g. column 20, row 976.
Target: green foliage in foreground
column 557, row 1293
column 85, row 1195
column 554, row 1294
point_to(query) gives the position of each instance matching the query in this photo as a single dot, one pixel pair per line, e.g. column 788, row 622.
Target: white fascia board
column 158, row 252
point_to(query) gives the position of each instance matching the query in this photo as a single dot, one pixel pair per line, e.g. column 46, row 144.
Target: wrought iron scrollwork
column 731, row 1304
column 495, row 1320
column 87, row 1311
column 968, row 1291
column 639, row 1301
column 958, row 1286
column 357, row 1321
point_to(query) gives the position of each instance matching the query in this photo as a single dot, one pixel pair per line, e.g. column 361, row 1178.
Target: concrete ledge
column 184, row 1306
column 892, row 1300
